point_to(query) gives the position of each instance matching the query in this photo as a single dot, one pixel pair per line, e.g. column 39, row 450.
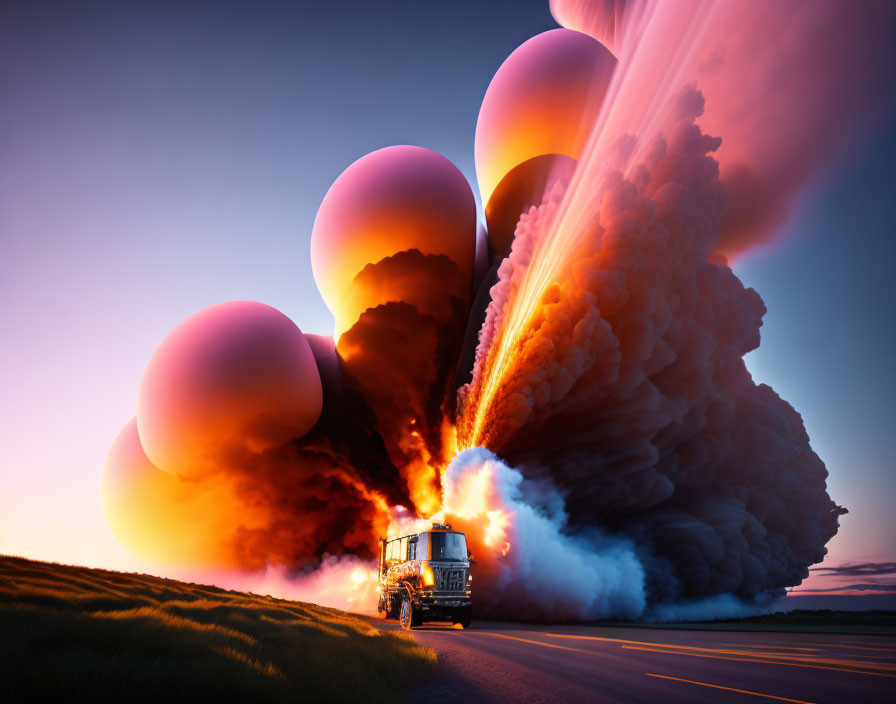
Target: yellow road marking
column 730, row 689
column 535, row 642
column 650, row 643
column 747, row 653
column 783, row 656
column 653, row 644
column 758, row 659
column 606, row 640
column 891, row 651
column 770, row 658
column 776, row 646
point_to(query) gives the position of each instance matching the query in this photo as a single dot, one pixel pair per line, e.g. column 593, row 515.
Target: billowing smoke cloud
column 629, row 395
column 401, row 357
column 311, row 501
column 382, row 430
column 527, row 566
column 345, row 582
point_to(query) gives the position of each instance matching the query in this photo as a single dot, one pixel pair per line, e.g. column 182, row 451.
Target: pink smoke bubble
column 543, row 100
column 130, row 487
column 162, row 518
column 602, row 19
column 393, row 200
column 236, row 375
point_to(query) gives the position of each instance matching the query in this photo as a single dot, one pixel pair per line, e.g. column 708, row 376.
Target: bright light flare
column 473, row 499
column 359, row 576
column 496, row 531
column 429, row 578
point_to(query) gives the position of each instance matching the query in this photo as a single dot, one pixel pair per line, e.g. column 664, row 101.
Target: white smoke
column 544, row 573
column 343, row 582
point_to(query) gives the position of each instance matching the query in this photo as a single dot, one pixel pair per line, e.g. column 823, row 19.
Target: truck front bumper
column 431, row 602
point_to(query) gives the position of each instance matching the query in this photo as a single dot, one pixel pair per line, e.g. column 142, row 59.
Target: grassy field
column 72, row 633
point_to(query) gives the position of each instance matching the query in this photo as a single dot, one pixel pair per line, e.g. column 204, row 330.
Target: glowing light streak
column 791, row 663
column 729, row 689
column 658, row 53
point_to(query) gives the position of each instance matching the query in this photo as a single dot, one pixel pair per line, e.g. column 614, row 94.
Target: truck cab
column 425, row 577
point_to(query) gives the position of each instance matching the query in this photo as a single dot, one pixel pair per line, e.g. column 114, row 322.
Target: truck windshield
column 448, row 546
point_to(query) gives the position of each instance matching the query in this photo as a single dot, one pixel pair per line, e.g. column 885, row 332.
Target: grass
column 74, row 633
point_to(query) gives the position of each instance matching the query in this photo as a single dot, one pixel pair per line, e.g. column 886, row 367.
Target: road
column 504, row 662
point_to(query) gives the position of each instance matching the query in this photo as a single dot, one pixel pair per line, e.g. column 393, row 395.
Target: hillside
column 73, row 632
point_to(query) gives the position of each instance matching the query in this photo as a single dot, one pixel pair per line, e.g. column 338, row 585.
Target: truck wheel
column 386, row 608
column 464, row 616
column 409, row 617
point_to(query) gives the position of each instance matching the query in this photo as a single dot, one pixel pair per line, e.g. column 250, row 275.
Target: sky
column 156, row 159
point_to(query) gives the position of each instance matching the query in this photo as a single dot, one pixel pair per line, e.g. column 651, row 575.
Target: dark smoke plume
column 630, row 394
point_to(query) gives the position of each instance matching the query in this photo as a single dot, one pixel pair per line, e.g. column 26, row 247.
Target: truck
column 425, row 577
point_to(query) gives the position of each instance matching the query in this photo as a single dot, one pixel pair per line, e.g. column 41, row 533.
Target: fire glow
column 472, row 500
column 575, row 386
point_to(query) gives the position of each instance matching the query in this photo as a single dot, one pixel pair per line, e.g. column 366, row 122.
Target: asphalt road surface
column 504, row 662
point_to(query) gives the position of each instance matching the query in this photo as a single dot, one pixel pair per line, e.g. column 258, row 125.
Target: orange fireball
column 163, row 518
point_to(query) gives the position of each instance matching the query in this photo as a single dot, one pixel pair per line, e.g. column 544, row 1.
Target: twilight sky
column 157, row 159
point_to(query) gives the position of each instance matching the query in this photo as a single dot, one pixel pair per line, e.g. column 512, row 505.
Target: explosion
column 566, row 383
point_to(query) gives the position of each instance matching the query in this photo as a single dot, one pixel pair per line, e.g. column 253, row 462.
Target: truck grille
column 451, row 579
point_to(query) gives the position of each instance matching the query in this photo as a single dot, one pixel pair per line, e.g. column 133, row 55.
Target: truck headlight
column 428, row 577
